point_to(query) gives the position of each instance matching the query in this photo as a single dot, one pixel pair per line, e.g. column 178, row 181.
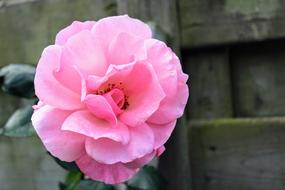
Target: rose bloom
column 109, row 96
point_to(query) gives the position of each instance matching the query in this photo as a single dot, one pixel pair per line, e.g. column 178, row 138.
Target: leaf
column 93, row 185
column 19, row 124
column 18, row 80
column 72, row 179
column 147, row 178
column 62, row 186
column 69, row 166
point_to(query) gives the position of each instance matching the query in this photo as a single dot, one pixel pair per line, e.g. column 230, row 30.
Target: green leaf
column 69, row 166
column 72, row 179
column 147, row 178
column 93, row 185
column 18, row 80
column 62, row 186
column 19, row 124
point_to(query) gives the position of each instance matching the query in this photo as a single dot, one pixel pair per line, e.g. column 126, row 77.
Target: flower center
column 115, row 95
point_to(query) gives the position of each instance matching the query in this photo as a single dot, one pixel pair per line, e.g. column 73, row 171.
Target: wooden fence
column 231, row 137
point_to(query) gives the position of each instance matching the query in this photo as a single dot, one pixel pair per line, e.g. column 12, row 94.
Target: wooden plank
column 210, row 83
column 258, row 79
column 205, row 23
column 164, row 13
column 26, row 28
column 25, row 165
column 7, row 105
column 238, row 154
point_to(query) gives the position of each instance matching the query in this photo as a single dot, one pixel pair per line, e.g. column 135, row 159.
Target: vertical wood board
column 238, row 154
column 258, row 79
column 210, row 83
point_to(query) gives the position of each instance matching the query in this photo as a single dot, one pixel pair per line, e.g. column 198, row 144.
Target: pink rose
column 109, row 95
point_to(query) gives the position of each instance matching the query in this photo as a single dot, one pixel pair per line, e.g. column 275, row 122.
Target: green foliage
column 72, row 180
column 69, row 166
column 147, row 178
column 18, row 80
column 93, row 185
column 19, row 124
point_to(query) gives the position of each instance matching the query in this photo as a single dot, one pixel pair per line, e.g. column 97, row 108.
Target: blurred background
column 232, row 136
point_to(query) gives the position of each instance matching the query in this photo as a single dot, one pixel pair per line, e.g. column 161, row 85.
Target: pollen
column 109, row 87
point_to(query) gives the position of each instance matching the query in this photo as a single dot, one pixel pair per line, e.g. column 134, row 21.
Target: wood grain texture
column 174, row 163
column 258, row 79
column 210, row 83
column 7, row 107
column 25, row 165
column 205, row 23
column 162, row 12
column 238, row 154
column 26, row 28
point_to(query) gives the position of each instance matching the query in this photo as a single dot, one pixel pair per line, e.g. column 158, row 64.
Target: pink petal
column 69, row 77
column 38, row 105
column 74, row 28
column 116, row 99
column 100, row 107
column 83, row 85
column 173, row 82
column 160, row 57
column 85, row 123
column 114, row 74
column 145, row 94
column 160, row 151
column 108, row 151
column 84, row 52
column 67, row 146
column 48, row 89
column 108, row 28
column 124, row 48
column 172, row 107
column 140, row 85
column 137, row 163
column 161, row 132
column 107, row 173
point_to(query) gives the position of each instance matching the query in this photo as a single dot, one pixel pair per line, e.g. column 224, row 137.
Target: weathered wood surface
column 238, row 154
column 25, row 165
column 258, row 79
column 174, row 163
column 26, row 28
column 205, row 22
column 162, row 12
column 7, row 107
column 210, row 83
